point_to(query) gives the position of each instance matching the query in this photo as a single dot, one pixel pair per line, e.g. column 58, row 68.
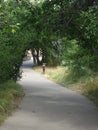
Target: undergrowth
column 86, row 85
column 11, row 94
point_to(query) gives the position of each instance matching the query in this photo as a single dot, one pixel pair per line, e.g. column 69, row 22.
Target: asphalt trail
column 49, row 106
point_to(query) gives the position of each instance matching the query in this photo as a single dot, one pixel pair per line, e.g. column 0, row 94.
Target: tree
column 45, row 25
column 12, row 40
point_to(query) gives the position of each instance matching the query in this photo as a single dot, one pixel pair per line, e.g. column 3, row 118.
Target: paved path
column 48, row 106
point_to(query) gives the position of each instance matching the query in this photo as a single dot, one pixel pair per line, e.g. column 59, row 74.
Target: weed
column 10, row 95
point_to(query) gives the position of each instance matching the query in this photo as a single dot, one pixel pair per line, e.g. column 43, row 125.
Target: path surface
column 48, row 106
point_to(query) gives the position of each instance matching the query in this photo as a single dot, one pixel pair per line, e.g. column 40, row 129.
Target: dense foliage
column 12, row 40
column 66, row 31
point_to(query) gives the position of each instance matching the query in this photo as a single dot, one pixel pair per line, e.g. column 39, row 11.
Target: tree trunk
column 34, row 56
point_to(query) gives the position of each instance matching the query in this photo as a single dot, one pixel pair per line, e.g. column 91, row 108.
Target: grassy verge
column 87, row 86
column 10, row 96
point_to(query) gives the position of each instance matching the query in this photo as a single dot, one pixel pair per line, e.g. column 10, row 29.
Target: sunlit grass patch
column 53, row 73
column 87, row 85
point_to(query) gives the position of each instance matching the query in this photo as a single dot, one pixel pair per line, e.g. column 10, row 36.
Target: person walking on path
column 49, row 106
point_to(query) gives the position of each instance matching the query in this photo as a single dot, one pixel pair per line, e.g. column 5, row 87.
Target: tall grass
column 87, row 85
column 91, row 89
column 10, row 95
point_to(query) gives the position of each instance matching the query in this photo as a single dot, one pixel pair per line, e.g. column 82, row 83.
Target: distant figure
column 44, row 67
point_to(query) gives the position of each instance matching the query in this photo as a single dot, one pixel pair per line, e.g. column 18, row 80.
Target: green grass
column 91, row 89
column 87, row 85
column 11, row 94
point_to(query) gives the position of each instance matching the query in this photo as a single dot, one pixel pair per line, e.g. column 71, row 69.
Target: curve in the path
column 48, row 106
